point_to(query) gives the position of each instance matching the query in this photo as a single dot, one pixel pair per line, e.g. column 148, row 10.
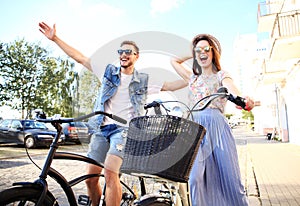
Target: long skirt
column 215, row 178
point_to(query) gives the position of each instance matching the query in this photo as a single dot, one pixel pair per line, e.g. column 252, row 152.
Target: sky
column 89, row 24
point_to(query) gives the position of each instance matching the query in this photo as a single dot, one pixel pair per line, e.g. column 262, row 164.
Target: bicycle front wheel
column 24, row 196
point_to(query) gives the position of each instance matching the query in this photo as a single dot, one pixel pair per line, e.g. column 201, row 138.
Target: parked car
column 76, row 132
column 27, row 132
column 91, row 130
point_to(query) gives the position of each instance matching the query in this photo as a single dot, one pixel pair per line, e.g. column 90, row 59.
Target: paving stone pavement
column 270, row 170
column 22, row 170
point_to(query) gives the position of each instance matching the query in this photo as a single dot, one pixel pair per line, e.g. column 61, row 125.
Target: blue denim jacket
column 138, row 88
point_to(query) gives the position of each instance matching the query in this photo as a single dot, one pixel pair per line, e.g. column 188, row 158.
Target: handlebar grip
column 240, row 101
column 119, row 119
column 114, row 117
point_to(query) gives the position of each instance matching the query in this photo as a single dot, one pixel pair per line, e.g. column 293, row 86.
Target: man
column 123, row 92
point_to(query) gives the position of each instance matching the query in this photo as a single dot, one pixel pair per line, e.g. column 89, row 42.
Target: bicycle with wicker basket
column 159, row 147
column 163, row 148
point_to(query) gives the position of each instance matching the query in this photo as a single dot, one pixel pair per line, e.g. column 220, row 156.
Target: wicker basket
column 162, row 145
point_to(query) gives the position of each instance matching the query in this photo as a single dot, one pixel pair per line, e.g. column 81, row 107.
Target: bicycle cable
column 26, row 149
column 28, row 155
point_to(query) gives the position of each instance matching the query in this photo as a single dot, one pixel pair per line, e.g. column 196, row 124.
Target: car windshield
column 34, row 125
column 79, row 124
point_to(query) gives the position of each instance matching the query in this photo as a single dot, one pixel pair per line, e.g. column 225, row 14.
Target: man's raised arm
column 50, row 33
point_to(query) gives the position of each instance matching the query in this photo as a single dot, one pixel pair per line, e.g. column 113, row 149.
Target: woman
column 215, row 178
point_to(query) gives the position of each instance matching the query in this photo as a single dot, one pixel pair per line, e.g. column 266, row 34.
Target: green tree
column 31, row 79
column 88, row 89
column 247, row 115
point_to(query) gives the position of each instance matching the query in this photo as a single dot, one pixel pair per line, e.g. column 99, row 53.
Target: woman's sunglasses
column 205, row 49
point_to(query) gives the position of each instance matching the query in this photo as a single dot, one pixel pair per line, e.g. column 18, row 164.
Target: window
column 5, row 123
column 16, row 124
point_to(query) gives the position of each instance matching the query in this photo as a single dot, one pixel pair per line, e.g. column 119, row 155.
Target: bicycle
column 155, row 134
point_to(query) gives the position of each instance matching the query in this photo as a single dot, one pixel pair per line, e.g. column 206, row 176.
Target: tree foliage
column 31, row 79
column 247, row 115
column 88, row 89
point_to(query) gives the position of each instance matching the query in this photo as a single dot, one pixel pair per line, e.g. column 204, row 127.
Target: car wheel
column 29, row 142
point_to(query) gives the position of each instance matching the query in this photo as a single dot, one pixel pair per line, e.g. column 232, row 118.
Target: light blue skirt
column 215, row 178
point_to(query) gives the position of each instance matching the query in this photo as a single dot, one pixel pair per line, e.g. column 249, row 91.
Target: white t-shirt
column 120, row 103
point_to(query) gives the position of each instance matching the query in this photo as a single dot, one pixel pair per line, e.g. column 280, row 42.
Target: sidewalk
column 270, row 169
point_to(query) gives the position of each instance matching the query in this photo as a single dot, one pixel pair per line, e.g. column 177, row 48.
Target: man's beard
column 127, row 65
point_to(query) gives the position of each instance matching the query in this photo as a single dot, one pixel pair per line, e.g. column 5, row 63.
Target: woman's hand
column 49, row 32
column 249, row 104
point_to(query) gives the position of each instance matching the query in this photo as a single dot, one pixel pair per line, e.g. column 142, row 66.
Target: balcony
column 273, row 72
column 282, row 23
column 285, row 36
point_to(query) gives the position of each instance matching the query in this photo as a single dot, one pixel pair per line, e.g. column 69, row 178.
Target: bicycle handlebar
column 222, row 92
column 152, row 104
column 240, row 101
column 41, row 117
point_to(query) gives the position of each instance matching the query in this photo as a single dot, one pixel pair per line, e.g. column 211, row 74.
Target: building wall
column 291, row 92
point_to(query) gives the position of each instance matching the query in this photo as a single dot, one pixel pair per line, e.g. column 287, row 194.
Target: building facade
column 277, row 76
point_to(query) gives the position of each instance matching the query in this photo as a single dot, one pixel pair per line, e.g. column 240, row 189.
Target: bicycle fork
column 184, row 195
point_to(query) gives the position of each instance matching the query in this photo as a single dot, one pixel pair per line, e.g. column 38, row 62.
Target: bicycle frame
column 66, row 185
column 47, row 170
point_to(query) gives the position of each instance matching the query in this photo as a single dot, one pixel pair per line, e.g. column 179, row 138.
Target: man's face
column 128, row 55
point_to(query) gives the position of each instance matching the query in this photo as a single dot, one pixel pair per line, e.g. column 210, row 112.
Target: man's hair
column 132, row 43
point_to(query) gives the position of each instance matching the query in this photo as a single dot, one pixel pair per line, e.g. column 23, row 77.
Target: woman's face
column 203, row 54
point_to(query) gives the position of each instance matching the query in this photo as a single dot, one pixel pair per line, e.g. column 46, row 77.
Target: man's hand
column 49, row 32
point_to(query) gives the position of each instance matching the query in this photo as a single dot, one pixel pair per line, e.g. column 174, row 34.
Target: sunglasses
column 205, row 49
column 126, row 51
